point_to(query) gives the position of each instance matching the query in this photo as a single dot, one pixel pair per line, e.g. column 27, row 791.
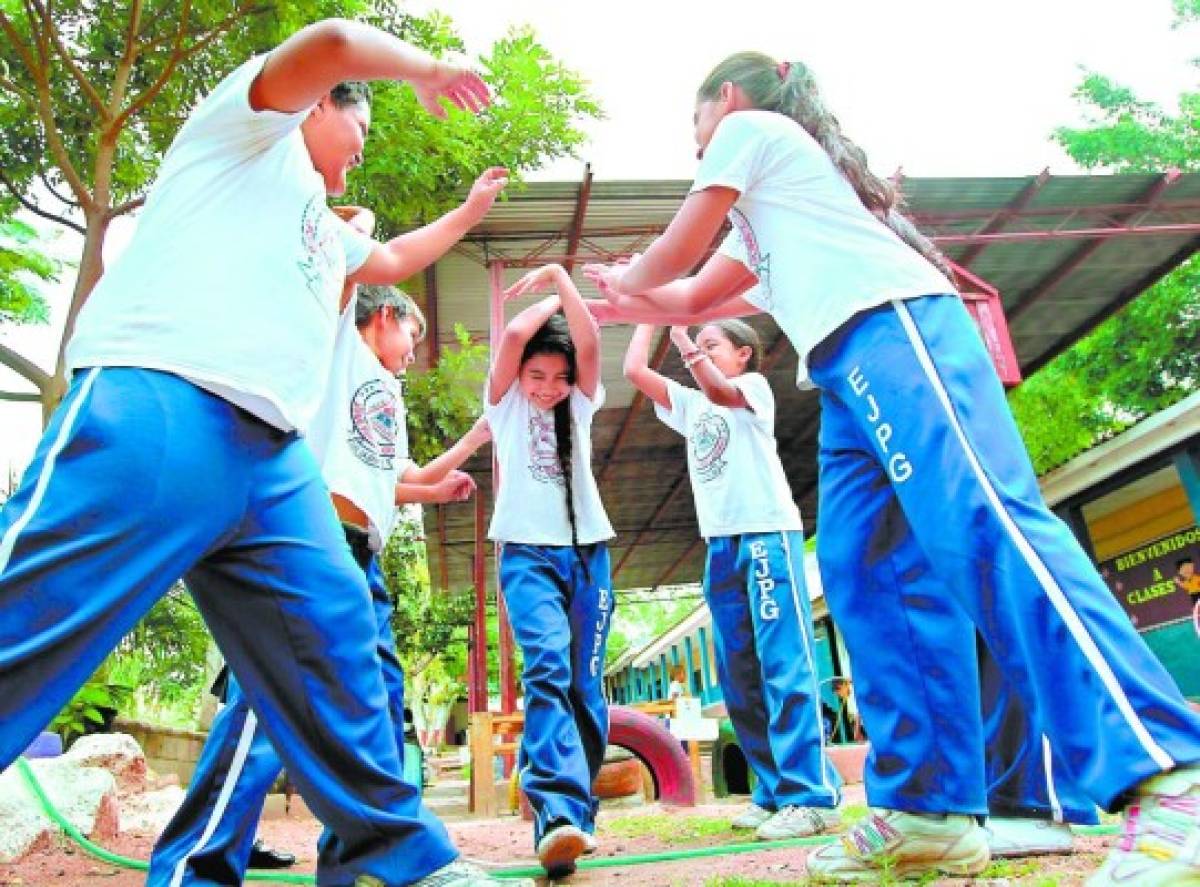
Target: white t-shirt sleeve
column 733, row 156
column 499, row 414
column 226, row 120
column 584, row 408
column 676, row 417
column 355, row 244
column 757, row 391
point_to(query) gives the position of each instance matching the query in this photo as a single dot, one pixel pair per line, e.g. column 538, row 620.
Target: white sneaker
column 559, row 848
column 1160, row 844
column 456, row 874
column 903, row 844
column 796, row 822
column 752, row 817
column 1014, row 836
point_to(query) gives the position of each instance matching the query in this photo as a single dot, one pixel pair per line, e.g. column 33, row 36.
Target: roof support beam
column 576, row 230
column 672, row 492
column 678, row 562
column 432, row 341
column 656, row 361
column 1052, row 280
column 1000, row 219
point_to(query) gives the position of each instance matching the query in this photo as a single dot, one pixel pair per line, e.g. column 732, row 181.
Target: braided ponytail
column 789, row 88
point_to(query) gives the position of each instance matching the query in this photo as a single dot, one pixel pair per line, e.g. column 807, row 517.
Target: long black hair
column 554, row 337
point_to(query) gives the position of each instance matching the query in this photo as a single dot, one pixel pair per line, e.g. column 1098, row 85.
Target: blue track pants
column 209, row 838
column 560, row 617
column 762, row 627
column 919, row 454
column 142, row 478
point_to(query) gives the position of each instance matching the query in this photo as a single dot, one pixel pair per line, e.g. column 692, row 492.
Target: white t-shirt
column 531, row 506
column 820, row 256
column 233, row 275
column 733, row 462
column 358, row 435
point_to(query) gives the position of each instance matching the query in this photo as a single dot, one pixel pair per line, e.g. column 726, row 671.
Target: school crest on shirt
column 709, row 440
column 756, row 261
column 543, row 450
column 319, row 246
column 372, row 435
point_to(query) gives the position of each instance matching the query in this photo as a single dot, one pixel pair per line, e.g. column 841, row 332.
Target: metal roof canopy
column 1064, row 252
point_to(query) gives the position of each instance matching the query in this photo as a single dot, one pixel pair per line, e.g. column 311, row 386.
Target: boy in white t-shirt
column 362, row 447
column 754, row 574
column 197, row 365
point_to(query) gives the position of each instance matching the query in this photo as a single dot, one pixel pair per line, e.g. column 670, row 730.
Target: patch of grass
column 675, row 830
column 1010, row 868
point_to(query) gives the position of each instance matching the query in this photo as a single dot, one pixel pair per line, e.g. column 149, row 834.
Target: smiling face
column 730, row 359
column 545, row 379
column 335, row 136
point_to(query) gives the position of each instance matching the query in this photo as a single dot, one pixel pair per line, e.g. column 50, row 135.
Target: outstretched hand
column 607, row 278
column 486, row 189
column 461, row 86
column 539, row 280
column 456, row 486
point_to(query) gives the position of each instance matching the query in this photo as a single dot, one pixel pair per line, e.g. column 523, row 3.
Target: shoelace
column 807, row 815
column 870, row 836
column 1166, row 828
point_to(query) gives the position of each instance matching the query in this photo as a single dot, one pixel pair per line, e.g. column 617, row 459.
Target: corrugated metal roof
column 1054, row 290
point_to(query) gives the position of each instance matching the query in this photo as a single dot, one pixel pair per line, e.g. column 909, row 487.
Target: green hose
column 511, row 872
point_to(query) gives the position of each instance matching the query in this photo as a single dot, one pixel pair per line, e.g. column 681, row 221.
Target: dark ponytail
column 554, row 337
column 789, row 88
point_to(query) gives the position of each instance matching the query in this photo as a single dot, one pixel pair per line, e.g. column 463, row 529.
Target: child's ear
column 744, row 354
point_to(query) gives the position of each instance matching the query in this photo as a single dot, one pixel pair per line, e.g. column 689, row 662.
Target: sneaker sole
column 559, row 858
column 1022, row 852
column 913, row 868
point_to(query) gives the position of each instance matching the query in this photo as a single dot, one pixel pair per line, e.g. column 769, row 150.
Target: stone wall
column 167, row 749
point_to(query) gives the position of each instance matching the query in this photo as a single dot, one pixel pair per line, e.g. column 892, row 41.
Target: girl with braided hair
column 922, row 473
column 542, row 393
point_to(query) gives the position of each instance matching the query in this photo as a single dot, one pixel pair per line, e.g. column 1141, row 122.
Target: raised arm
column 403, row 256
column 585, row 332
column 716, row 387
column 512, row 342
column 434, row 471
column 711, row 294
column 679, row 249
column 310, row 63
column 650, row 382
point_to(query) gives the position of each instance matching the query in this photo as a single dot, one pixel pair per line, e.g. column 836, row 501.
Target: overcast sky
column 938, row 87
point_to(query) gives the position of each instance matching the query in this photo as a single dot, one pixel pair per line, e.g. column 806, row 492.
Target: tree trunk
column 91, row 266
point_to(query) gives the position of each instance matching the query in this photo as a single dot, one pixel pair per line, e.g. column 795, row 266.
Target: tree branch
column 154, row 88
column 63, row 53
column 19, row 397
column 10, row 31
column 50, row 187
column 127, row 207
column 37, row 210
column 244, row 11
column 24, row 367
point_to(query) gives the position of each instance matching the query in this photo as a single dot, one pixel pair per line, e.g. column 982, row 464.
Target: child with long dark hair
column 921, row 466
column 754, row 572
column 542, row 393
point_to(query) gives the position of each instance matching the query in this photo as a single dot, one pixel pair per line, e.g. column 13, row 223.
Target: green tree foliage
column 22, row 265
column 1143, row 358
column 91, row 95
column 443, row 402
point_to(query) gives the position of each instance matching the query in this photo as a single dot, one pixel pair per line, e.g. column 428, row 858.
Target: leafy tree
column 22, row 264
column 443, row 402
column 91, row 95
column 1143, row 358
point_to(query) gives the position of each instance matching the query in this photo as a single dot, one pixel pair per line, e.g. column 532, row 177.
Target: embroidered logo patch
column 373, row 425
column 543, row 450
column 320, row 246
column 709, row 441
column 757, row 262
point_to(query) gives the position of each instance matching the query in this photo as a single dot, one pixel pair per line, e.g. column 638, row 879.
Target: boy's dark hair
column 1184, row 560
column 370, row 299
column 351, row 92
column 554, row 337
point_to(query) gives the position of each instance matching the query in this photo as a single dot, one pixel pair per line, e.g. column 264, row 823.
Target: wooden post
column 483, row 784
column 694, row 757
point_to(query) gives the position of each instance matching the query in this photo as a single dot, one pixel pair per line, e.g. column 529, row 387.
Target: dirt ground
column 506, row 842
